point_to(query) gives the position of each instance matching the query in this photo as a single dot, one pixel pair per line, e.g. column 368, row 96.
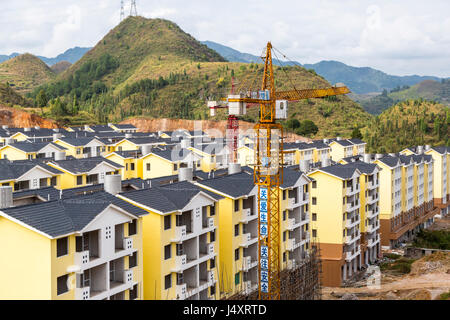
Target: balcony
column 352, row 206
column 305, row 235
column 210, row 222
column 291, row 224
column 247, row 215
column 350, row 223
column 372, row 227
column 373, row 241
column 128, row 243
column 352, row 190
column 290, row 244
column 247, row 239
column 82, row 293
column 211, row 248
column 350, row 255
column 181, row 291
column 82, row 258
column 372, row 213
column 180, row 263
column 249, row 287
column 180, row 234
column 127, row 276
column 248, row 263
column 305, row 197
column 292, row 203
column 372, row 198
column 350, row 239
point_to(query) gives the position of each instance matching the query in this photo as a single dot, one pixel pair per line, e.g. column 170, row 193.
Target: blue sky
column 399, row 37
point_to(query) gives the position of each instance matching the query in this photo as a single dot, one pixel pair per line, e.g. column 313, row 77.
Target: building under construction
column 302, row 282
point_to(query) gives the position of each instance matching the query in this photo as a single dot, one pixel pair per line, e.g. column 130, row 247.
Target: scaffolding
column 301, row 282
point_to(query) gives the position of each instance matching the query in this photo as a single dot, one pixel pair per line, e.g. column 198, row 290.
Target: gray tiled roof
column 339, row 170
column 389, row 160
column 290, row 177
column 14, row 170
column 34, row 147
column 363, row 167
column 235, row 185
column 167, row 198
column 83, row 165
column 47, row 193
column 62, row 217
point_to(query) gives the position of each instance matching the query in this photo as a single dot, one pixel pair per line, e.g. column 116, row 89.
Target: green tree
column 293, row 123
column 307, row 128
column 41, row 100
column 356, row 134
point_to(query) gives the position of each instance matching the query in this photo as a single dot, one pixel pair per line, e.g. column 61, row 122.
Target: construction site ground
column 429, row 279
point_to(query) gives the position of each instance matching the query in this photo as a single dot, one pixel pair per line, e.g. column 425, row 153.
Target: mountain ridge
column 358, row 79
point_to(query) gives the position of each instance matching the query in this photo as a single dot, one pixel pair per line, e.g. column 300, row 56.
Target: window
column 236, row 254
column 236, row 230
column 148, row 166
column 284, row 194
column 167, row 252
column 212, row 263
column 167, row 222
column 132, row 228
column 62, row 284
column 134, row 292
column 314, row 200
column 314, row 217
column 168, row 282
column 78, row 150
column 314, row 184
column 133, row 260
column 284, row 236
column 132, row 166
column 212, row 236
column 237, row 278
column 78, row 244
column 79, row 180
column 236, row 205
column 175, row 167
column 212, row 210
column 53, row 181
column 213, row 290
column 62, row 247
column 43, row 182
column 284, row 256
column 314, row 233
column 126, row 166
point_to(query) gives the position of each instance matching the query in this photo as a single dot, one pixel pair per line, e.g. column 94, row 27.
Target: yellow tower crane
column 268, row 168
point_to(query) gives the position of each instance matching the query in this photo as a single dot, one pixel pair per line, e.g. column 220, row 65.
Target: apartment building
column 82, row 147
column 406, row 203
column 441, row 179
column 181, row 245
column 81, row 248
column 295, row 218
column 369, row 210
column 29, row 150
column 28, row 174
column 237, row 231
column 336, row 219
column 238, row 226
column 82, row 172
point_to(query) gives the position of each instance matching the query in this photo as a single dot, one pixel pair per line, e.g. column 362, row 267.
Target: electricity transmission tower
column 133, row 10
column 122, row 11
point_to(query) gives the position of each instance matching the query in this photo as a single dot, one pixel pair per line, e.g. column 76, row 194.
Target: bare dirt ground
column 428, row 279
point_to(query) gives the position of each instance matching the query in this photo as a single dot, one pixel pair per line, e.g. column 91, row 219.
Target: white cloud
column 398, row 37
